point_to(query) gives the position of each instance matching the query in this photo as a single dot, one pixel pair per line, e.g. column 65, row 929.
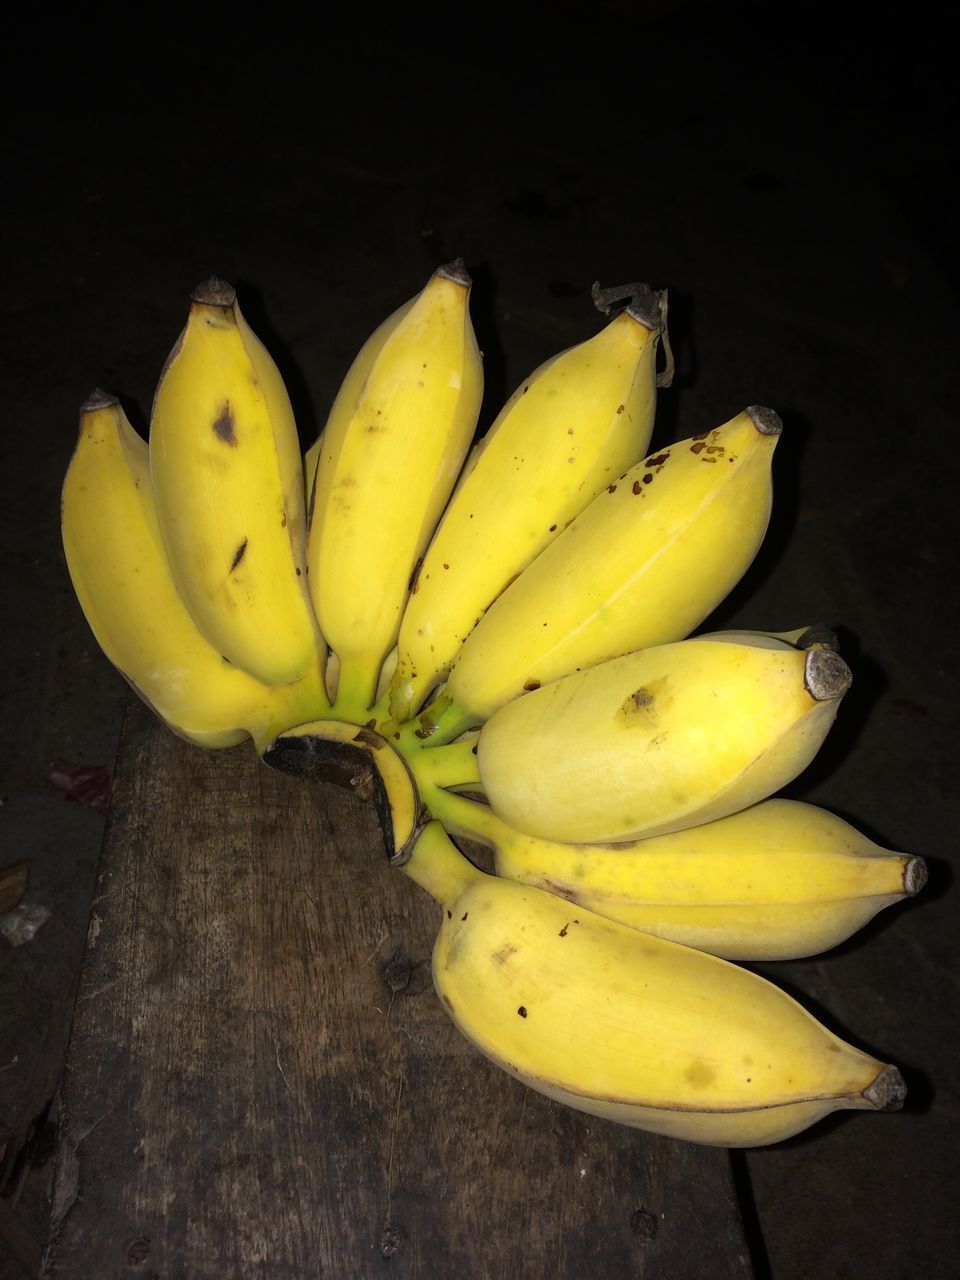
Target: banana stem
column 380, row 711
column 438, row 724
column 454, row 765
column 356, row 689
column 451, row 722
column 438, row 866
column 463, row 817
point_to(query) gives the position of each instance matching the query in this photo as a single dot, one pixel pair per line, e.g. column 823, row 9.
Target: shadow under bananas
column 752, row 1227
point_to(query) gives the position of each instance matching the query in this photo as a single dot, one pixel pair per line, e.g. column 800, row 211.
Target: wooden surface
column 13, row 885
column 261, row 1081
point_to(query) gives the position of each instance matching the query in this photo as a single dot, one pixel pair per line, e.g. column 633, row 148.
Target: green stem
column 463, row 817
column 356, row 688
column 380, row 711
column 454, row 765
column 435, row 726
column 451, row 722
column 438, row 866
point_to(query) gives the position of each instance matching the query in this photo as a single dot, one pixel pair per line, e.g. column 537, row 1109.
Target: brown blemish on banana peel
column 700, row 1075
column 642, row 709
column 238, row 555
column 224, row 427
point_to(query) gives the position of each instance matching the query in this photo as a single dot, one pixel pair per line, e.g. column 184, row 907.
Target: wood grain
column 261, row 1081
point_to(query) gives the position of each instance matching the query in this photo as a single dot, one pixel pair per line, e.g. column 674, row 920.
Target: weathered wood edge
column 224, row 1116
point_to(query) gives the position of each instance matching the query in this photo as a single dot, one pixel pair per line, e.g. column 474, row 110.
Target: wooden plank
column 19, row 1241
column 13, row 885
column 261, row 1081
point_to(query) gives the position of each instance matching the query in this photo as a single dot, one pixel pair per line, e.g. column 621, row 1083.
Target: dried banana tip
column 98, row 399
column 456, row 272
column 643, row 304
column 214, row 292
column 644, row 307
column 825, row 675
column 915, row 876
column 888, row 1091
column 767, row 421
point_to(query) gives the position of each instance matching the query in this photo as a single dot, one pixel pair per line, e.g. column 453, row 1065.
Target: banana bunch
column 500, row 631
column 192, row 557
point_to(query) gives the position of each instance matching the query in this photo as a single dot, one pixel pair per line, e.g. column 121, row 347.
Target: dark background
column 788, row 178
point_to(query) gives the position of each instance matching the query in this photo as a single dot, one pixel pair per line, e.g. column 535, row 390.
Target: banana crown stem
column 328, row 750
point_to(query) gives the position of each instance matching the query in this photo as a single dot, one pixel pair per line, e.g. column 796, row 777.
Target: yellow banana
column 659, row 740
column 573, row 426
column 777, row 881
column 227, row 477
column 123, row 582
column 327, row 750
column 628, row 1026
column 390, row 454
column 642, row 565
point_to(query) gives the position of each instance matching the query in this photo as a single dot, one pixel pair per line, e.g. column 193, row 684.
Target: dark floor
column 790, row 189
